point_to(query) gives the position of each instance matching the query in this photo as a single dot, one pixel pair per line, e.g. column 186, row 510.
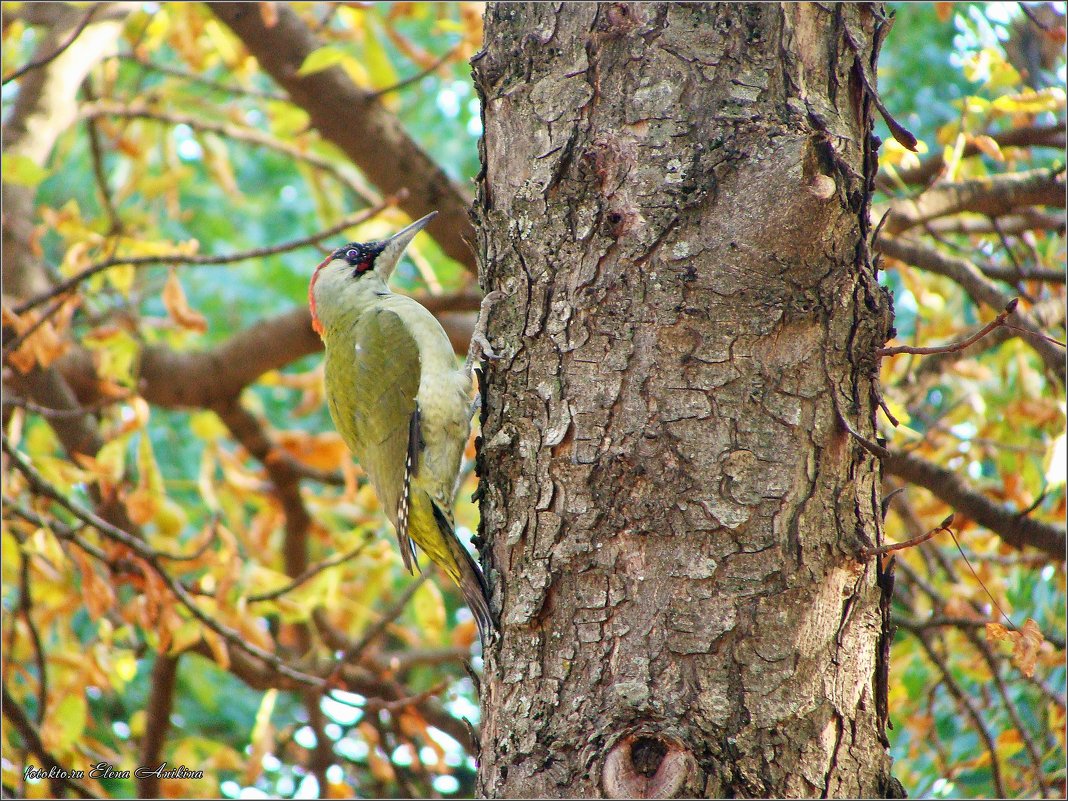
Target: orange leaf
column 326, row 451
column 44, row 341
column 995, row 631
column 178, row 307
column 987, row 145
column 944, row 11
column 1025, row 649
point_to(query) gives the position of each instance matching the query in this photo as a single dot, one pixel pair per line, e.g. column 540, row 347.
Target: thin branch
column 310, row 573
column 96, row 151
column 980, row 288
column 1028, row 136
column 1029, row 219
column 239, row 133
column 32, row 740
column 24, row 609
column 911, row 542
column 1016, row 530
column 345, row 114
column 14, row 401
column 994, row 196
column 215, row 86
column 418, row 76
column 1038, row 23
column 353, row 651
column 982, row 332
column 981, row 645
column 44, row 61
column 966, row 703
column 206, row 259
column 43, row 487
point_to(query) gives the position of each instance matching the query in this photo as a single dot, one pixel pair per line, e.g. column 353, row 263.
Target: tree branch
column 157, row 721
column 1016, row 530
column 44, row 61
column 194, row 259
column 349, row 117
column 980, row 288
column 1028, row 136
column 997, row 322
column 994, row 196
column 139, row 110
column 32, row 740
column 41, row 487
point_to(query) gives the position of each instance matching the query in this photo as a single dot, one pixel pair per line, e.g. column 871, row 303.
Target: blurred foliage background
column 177, row 151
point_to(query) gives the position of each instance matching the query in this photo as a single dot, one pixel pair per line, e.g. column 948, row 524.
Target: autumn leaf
column 178, row 307
column 1025, row 643
column 44, row 337
column 1025, row 649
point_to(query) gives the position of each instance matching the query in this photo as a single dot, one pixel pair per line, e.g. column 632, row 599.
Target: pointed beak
column 396, row 245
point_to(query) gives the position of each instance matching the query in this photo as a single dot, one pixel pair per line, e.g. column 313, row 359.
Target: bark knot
column 646, row 766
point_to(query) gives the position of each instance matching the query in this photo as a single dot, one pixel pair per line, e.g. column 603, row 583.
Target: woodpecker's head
column 335, row 277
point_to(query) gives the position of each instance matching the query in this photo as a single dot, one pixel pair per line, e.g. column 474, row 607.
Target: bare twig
column 966, row 703
column 138, row 547
column 994, row 196
column 980, row 288
column 207, row 259
column 239, row 133
column 310, row 573
column 44, row 61
column 32, row 740
column 982, row 332
column 215, row 86
column 359, row 646
column 1027, row 136
column 345, row 115
column 418, row 76
column 912, row 542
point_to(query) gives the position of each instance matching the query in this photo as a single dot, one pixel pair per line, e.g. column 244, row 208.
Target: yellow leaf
column 124, row 666
column 1031, row 102
column 995, row 632
column 320, row 59
column 65, row 723
column 143, row 503
column 137, row 723
column 21, row 170
column 326, row 451
column 207, row 426
column 428, row 607
column 122, row 276
column 178, row 307
column 116, row 352
column 218, row 647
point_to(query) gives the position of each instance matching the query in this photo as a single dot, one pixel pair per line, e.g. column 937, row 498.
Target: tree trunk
column 675, row 198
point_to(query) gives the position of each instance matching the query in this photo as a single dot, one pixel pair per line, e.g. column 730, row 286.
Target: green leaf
column 21, row 170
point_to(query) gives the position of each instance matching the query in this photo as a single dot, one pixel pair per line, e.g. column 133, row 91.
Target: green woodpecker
column 399, row 402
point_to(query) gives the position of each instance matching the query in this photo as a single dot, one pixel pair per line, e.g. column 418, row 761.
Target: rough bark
column 675, row 198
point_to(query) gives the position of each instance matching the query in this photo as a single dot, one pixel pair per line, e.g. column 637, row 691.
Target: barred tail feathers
column 433, row 532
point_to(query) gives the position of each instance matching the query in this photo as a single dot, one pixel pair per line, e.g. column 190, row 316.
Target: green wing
column 386, row 373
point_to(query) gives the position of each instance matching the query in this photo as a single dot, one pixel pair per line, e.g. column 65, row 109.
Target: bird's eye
column 351, row 254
